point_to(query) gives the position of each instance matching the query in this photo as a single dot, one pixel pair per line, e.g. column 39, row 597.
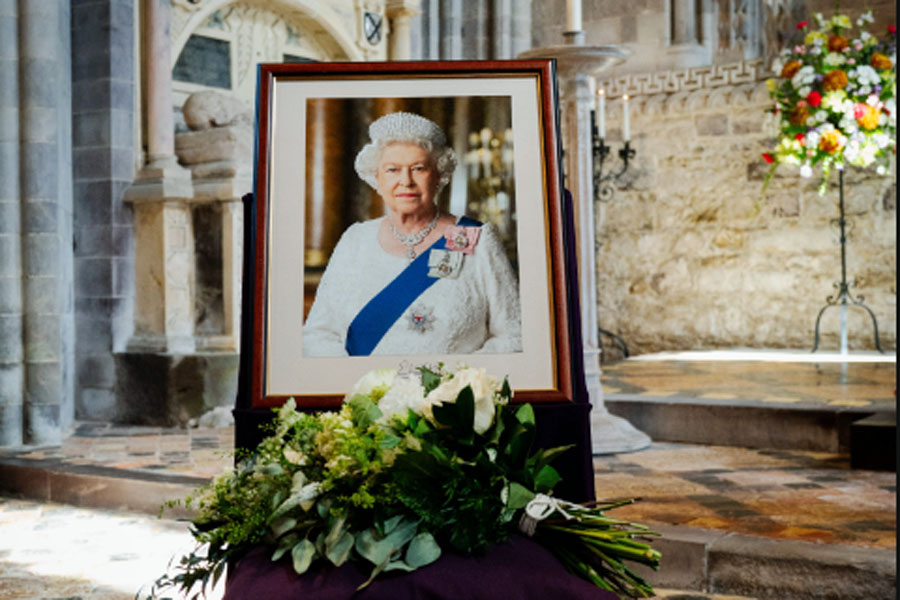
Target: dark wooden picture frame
column 260, row 326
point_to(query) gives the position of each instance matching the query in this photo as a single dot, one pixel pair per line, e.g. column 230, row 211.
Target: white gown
column 478, row 312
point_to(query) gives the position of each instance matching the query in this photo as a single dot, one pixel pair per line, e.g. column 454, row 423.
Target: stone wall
column 693, row 254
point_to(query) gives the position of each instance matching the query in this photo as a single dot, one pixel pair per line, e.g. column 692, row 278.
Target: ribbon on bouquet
column 541, row 507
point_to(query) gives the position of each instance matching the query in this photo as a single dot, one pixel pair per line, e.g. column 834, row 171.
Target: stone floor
column 51, row 551
column 759, row 378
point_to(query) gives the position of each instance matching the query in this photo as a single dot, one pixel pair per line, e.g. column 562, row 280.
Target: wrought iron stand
column 844, row 298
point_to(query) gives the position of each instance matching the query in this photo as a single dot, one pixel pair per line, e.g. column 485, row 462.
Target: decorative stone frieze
column 685, row 80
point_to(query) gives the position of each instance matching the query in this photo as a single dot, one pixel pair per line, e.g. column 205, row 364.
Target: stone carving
column 206, row 109
column 645, row 84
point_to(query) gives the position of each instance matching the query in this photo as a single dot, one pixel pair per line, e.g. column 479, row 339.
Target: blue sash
column 383, row 310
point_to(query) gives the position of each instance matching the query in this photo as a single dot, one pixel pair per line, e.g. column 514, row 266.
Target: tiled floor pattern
column 829, row 385
column 773, row 493
column 196, row 452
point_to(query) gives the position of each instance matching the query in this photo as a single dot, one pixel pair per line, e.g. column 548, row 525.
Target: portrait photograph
column 406, row 218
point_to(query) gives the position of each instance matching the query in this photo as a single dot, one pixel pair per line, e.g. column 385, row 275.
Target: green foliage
column 393, row 490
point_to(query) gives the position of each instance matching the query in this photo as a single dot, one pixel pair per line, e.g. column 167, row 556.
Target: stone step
column 697, row 562
column 94, row 486
column 746, row 424
column 873, row 442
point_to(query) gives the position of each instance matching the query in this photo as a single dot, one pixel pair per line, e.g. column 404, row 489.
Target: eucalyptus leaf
column 365, row 410
column 285, row 544
column 339, row 552
column 298, row 481
column 422, row 550
column 269, row 469
column 335, row 532
column 398, row 565
column 391, row 524
column 302, row 555
column 283, row 525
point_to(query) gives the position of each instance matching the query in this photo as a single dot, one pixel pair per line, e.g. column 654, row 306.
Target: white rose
column 372, row 380
column 483, row 387
column 405, row 393
column 805, row 170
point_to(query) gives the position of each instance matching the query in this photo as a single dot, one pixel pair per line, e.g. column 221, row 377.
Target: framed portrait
column 405, row 214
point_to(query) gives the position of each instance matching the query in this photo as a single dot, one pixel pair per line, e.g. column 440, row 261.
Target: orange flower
column 837, row 43
column 799, row 115
column 867, row 116
column 791, row 69
column 835, row 80
column 880, row 61
column 831, row 141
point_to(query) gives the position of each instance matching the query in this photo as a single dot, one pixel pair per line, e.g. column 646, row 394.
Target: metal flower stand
column 844, row 298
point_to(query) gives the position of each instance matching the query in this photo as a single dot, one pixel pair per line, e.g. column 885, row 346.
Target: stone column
column 399, row 14
column 12, row 371
column 502, row 26
column 683, row 22
column 45, row 173
column 164, row 252
column 451, row 24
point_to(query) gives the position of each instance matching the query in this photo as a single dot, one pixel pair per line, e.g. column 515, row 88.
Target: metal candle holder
column 604, row 183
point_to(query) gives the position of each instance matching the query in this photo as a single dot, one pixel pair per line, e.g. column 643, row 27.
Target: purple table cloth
column 518, row 569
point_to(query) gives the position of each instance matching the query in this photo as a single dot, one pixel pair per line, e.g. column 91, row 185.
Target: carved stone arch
column 314, row 15
column 696, row 100
column 722, row 96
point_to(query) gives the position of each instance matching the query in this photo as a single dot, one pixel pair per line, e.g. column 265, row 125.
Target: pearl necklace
column 413, row 239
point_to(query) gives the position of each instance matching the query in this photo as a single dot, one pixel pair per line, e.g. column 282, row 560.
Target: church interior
column 737, row 320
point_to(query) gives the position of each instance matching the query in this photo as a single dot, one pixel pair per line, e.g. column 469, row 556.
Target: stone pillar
column 502, row 29
column 45, row 173
column 12, row 371
column 683, row 22
column 610, row 434
column 399, row 14
column 451, row 25
column 164, row 261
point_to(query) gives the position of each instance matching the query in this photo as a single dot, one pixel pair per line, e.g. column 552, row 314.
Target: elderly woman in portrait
column 416, row 281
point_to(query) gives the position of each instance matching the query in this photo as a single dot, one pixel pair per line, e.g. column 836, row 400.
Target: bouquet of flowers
column 835, row 99
column 414, row 463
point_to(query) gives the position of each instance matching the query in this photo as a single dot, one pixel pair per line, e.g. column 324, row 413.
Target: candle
column 626, row 122
column 573, row 15
column 601, row 113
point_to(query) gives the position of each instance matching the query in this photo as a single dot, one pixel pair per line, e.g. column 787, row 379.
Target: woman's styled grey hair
column 411, row 128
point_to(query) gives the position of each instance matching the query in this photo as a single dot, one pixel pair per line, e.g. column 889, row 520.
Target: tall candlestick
column 573, row 15
column 601, row 113
column 626, row 122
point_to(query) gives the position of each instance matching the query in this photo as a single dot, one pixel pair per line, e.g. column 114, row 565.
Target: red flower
column 802, row 24
column 814, row 98
column 768, row 158
column 892, row 30
column 799, row 137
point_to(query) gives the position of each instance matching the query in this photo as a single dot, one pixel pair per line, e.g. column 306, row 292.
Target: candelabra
column 604, row 183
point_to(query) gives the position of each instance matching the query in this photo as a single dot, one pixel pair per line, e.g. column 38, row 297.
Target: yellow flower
column 867, row 116
column 835, row 80
column 812, row 36
column 831, row 141
column 771, row 85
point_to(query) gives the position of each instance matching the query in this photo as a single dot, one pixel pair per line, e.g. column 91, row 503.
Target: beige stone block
column 233, row 143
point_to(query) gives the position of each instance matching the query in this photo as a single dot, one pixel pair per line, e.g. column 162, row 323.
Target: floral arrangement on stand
column 835, row 98
column 414, row 463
